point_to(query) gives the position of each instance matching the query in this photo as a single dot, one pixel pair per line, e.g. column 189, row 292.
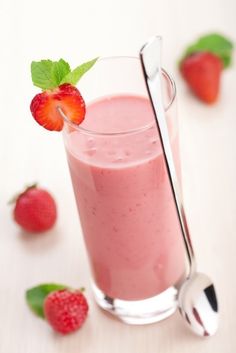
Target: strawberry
column 44, row 107
column 35, row 210
column 66, row 310
column 203, row 62
column 59, row 95
column 202, row 72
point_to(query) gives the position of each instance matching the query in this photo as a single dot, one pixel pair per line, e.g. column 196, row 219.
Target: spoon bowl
column 198, row 304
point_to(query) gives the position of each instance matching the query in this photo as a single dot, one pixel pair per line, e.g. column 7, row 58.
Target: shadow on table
column 38, row 242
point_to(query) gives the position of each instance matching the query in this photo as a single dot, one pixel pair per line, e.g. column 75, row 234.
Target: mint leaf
column 214, row 43
column 35, row 296
column 74, row 76
column 59, row 70
column 41, row 73
column 48, row 74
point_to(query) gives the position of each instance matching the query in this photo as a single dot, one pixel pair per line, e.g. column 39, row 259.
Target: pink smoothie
column 124, row 199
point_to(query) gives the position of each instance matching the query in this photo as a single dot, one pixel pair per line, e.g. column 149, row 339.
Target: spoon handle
column 150, row 55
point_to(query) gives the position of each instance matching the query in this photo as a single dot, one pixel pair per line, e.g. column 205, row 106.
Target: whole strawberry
column 35, row 210
column 202, row 72
column 66, row 310
column 202, row 65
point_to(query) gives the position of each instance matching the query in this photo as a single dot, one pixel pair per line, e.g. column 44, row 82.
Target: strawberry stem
column 31, row 186
column 16, row 196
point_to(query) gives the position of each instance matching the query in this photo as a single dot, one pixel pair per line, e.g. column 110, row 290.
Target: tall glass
column 122, row 190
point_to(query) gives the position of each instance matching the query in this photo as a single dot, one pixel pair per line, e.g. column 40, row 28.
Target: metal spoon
column 197, row 297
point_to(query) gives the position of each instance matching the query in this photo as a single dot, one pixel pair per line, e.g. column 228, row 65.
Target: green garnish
column 48, row 74
column 214, row 43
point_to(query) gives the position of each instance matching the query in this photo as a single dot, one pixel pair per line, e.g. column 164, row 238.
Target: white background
column 77, row 31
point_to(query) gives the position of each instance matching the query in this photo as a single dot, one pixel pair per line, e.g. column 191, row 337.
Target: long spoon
column 197, row 297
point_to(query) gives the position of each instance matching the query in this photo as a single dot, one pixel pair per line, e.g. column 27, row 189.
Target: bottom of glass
column 139, row 312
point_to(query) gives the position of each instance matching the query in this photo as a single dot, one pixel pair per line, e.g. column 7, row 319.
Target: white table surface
column 79, row 30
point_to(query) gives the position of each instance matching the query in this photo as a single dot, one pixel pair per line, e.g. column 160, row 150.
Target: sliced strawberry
column 202, row 72
column 44, row 107
column 44, row 110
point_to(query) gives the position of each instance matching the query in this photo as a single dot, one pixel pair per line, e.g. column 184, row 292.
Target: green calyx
column 48, row 74
column 214, row 43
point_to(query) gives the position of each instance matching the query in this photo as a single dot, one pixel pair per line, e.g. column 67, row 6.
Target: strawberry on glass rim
column 45, row 107
column 59, row 94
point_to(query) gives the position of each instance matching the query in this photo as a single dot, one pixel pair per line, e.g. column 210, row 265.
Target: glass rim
column 130, row 131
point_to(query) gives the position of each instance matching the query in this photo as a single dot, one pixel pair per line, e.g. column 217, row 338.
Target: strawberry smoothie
column 124, row 199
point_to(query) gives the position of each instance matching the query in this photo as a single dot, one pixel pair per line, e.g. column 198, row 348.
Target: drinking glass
column 127, row 212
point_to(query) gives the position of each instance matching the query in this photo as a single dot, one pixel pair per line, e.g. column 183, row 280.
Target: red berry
column 35, row 210
column 202, row 72
column 44, row 107
column 66, row 310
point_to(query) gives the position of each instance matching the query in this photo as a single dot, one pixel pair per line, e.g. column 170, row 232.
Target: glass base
column 139, row 312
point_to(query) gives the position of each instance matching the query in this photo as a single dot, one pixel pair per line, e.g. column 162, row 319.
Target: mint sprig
column 214, row 43
column 59, row 70
column 48, row 74
column 74, row 76
column 35, row 296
